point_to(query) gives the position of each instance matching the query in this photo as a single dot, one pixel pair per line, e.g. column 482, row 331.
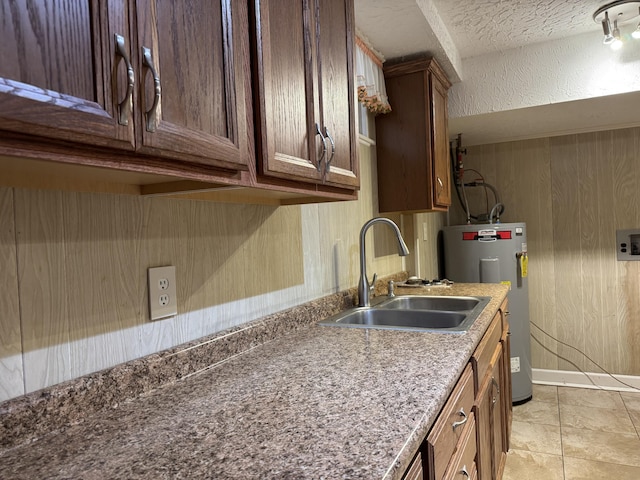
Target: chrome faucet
column 364, row 288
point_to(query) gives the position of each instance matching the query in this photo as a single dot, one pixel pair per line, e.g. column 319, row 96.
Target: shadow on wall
column 82, row 258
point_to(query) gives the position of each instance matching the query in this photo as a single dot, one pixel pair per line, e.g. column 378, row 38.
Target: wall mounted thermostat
column 628, row 244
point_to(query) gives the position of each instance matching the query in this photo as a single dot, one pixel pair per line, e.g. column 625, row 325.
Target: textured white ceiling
column 403, row 27
column 483, row 26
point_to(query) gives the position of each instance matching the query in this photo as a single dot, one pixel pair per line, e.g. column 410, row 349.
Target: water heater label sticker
column 515, row 364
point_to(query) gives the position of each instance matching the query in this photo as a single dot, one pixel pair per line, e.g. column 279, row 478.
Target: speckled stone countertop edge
column 29, row 417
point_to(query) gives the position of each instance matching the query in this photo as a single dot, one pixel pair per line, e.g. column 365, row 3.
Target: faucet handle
column 391, row 292
column 373, row 283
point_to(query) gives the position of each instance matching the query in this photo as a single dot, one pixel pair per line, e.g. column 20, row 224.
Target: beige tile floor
column 575, row 434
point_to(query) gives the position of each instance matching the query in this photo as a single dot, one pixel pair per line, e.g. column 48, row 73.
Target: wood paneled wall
column 573, row 192
column 74, row 271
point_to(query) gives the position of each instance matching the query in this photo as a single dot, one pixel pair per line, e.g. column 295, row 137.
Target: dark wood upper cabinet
column 159, row 95
column 62, row 73
column 412, row 143
column 193, row 63
column 305, row 105
column 177, row 85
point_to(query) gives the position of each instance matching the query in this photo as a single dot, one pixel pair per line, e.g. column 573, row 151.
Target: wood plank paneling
column 574, row 192
column 42, row 277
column 82, row 271
column 104, row 279
column 624, row 149
column 607, row 198
column 534, row 204
column 11, row 369
column 592, row 197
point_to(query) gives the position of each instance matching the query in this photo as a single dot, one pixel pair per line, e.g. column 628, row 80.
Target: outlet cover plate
column 163, row 301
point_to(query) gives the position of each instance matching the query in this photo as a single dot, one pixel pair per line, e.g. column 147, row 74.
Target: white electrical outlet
column 163, row 301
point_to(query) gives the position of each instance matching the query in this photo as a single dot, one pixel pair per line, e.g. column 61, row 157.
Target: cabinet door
column 289, row 140
column 193, row 63
column 403, row 139
column 497, row 422
column 411, row 141
column 337, row 102
column 489, row 412
column 441, row 160
column 507, row 395
column 484, row 430
column 62, row 74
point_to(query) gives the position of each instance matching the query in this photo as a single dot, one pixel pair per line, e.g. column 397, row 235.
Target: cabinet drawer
column 446, row 433
column 463, row 465
column 481, row 358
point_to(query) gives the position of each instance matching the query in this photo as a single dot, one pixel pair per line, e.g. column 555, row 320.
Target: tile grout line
column 630, row 417
column 564, row 467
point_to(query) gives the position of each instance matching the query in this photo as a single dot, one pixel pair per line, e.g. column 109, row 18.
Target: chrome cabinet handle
column 465, row 472
column 324, row 146
column 461, row 422
column 152, row 114
column 333, row 149
column 126, row 105
column 441, row 185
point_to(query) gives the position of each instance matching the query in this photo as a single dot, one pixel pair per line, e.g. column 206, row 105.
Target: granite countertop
column 319, row 402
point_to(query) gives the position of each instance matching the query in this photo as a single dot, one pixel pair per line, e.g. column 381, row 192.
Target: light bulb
column 617, row 43
column 606, row 28
column 636, row 33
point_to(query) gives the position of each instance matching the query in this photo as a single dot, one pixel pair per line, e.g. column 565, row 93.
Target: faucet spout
column 363, row 284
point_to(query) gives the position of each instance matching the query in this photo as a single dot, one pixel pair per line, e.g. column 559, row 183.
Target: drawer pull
column 461, row 422
column 464, row 471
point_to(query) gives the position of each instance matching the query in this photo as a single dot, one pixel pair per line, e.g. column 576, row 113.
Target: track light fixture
column 620, row 12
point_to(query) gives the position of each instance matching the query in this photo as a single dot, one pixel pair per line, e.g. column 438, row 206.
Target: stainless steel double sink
column 413, row 313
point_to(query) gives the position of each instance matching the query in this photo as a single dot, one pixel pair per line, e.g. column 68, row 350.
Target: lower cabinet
column 470, row 437
column 493, row 407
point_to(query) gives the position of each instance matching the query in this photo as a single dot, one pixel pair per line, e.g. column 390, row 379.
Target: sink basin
column 414, row 313
column 416, row 302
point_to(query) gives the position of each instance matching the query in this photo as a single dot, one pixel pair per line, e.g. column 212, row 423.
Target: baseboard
column 601, row 381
